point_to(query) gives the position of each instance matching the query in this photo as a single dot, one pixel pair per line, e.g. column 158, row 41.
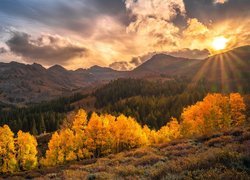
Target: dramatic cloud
column 136, row 61
column 3, row 50
column 121, row 66
column 220, row 1
column 157, row 31
column 191, row 54
column 133, row 63
column 160, row 9
column 76, row 16
column 111, row 30
column 46, row 49
column 209, row 13
column 153, row 25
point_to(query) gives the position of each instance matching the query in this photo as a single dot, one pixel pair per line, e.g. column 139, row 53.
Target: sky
column 120, row 34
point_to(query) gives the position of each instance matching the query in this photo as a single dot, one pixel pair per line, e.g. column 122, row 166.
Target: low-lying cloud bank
column 46, row 49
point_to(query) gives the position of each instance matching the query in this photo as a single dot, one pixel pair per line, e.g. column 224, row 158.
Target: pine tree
column 33, row 127
column 42, row 125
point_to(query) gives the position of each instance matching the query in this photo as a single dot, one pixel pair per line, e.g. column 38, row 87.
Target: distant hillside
column 20, row 84
column 228, row 71
column 169, row 65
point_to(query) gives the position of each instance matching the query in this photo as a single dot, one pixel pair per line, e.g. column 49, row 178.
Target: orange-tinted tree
column 99, row 132
column 238, row 109
column 26, row 151
column 99, row 136
column 152, row 135
column 8, row 161
column 169, row 132
column 215, row 113
column 62, row 148
column 104, row 134
column 128, row 134
column 79, row 128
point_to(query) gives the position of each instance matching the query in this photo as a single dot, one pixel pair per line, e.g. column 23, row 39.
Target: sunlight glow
column 219, row 43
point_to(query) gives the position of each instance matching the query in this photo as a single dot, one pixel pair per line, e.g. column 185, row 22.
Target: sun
column 219, row 43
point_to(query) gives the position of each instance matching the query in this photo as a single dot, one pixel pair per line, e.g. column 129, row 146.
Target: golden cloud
column 220, row 1
column 153, row 31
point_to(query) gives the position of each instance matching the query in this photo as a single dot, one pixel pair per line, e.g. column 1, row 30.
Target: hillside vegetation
column 222, row 156
column 38, row 118
column 101, row 135
column 21, row 84
column 152, row 103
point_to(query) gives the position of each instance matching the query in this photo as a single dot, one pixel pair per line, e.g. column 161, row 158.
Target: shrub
column 129, row 170
column 148, row 160
column 74, row 174
column 222, row 140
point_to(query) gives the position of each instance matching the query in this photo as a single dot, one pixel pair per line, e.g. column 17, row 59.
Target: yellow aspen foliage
column 52, row 154
column 79, row 126
column 80, row 121
column 104, row 134
column 26, row 151
column 108, row 143
column 100, row 140
column 238, row 109
column 169, row 132
column 174, row 128
column 8, row 161
column 99, row 136
column 68, row 145
column 110, row 121
column 153, row 138
column 215, row 113
column 193, row 123
column 152, row 135
column 62, row 148
column 129, row 134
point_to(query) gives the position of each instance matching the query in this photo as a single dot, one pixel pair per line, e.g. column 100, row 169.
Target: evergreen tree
column 33, row 127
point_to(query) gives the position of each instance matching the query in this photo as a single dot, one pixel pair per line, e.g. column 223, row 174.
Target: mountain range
column 21, row 83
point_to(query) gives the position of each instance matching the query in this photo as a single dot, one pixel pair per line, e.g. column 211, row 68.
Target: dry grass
column 219, row 141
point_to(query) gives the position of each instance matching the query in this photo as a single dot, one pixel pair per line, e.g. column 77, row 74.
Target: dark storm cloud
column 206, row 10
column 115, row 8
column 80, row 15
column 74, row 15
column 46, row 49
